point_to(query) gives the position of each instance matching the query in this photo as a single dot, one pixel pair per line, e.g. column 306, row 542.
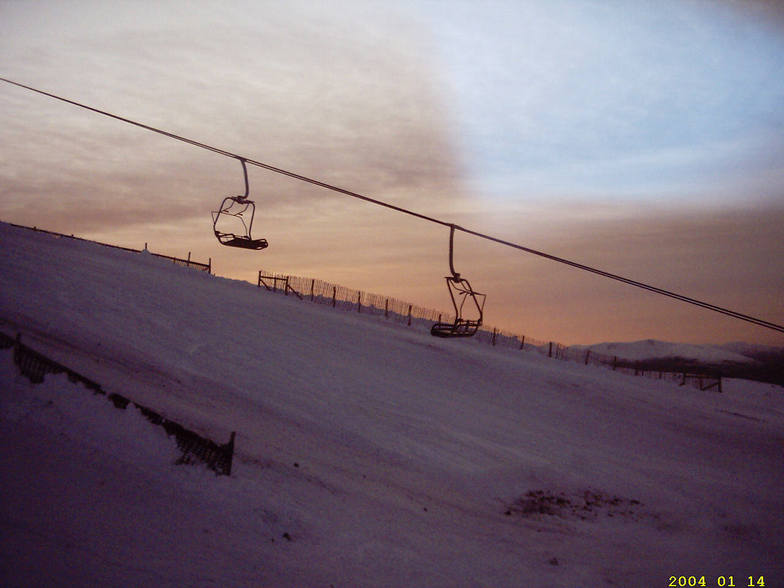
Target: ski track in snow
column 368, row 453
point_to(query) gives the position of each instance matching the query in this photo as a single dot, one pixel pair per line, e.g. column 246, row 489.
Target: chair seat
column 460, row 328
column 232, row 240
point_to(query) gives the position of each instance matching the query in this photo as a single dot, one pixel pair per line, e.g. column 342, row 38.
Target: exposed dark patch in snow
column 585, row 505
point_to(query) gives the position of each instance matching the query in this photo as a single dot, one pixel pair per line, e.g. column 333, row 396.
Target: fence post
column 550, row 353
column 188, row 264
column 286, row 286
column 359, row 301
column 228, row 452
column 334, row 292
column 494, row 333
column 615, row 362
column 409, row 315
column 587, row 356
column 312, row 283
column 522, row 343
column 386, row 308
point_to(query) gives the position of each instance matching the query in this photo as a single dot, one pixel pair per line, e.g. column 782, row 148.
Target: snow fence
column 344, row 298
column 195, row 448
column 187, row 262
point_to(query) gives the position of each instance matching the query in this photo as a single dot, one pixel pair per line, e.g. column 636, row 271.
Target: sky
column 645, row 139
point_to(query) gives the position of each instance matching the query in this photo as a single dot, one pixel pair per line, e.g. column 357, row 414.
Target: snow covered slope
column 368, row 454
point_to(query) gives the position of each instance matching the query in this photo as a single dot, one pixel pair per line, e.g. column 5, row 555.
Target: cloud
column 344, row 97
column 362, row 95
column 575, row 94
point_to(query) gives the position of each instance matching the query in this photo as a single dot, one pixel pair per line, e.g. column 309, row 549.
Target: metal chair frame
column 460, row 291
column 241, row 204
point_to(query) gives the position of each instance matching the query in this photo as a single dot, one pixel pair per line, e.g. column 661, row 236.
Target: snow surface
column 368, row 453
column 653, row 349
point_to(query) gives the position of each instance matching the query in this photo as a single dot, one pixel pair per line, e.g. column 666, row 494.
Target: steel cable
column 453, row 227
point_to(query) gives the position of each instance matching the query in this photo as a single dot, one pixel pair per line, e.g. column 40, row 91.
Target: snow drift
column 367, row 453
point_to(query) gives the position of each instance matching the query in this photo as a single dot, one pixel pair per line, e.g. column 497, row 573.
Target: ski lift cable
column 452, row 226
column 226, row 153
column 650, row 288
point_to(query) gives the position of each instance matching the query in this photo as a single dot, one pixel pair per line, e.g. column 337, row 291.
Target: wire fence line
column 327, row 293
column 344, row 298
column 349, row 299
column 187, row 262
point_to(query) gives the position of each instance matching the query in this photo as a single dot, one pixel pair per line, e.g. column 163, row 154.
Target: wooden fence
column 337, row 296
column 187, row 262
column 195, row 448
column 344, row 298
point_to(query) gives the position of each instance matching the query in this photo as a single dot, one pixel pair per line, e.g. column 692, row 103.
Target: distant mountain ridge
column 737, row 359
column 753, row 350
column 653, row 349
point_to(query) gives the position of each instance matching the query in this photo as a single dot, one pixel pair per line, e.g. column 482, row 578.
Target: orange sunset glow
column 643, row 141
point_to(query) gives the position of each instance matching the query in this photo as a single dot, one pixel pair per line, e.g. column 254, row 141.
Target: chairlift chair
column 235, row 215
column 467, row 320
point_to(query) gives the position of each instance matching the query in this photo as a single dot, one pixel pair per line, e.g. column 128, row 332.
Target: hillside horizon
column 367, row 453
column 708, row 353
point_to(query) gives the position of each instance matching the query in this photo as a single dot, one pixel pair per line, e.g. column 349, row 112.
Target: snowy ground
column 368, row 454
